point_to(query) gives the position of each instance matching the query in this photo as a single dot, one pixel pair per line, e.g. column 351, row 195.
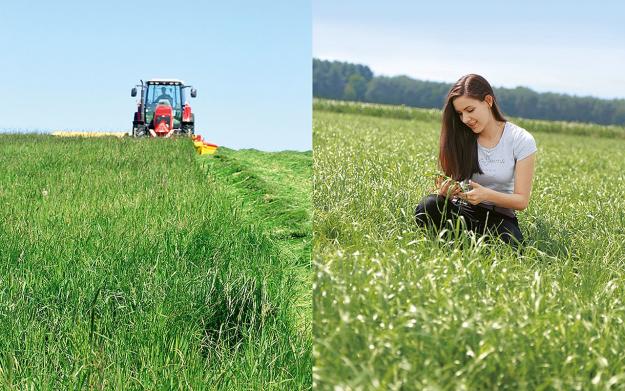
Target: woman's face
column 474, row 113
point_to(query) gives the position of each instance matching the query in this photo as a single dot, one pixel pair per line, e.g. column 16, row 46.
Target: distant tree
column 331, row 79
column 619, row 113
column 355, row 88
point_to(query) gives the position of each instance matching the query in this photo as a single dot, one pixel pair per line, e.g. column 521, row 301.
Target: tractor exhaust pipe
column 141, row 104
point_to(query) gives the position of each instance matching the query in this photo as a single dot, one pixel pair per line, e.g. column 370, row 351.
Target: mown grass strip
column 276, row 190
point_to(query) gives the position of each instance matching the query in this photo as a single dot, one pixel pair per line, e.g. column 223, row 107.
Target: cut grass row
column 123, row 265
column 276, row 190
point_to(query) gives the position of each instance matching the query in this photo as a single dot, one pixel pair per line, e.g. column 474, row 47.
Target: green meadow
column 396, row 307
column 138, row 264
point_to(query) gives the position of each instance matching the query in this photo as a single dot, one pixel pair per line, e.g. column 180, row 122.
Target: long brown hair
column 458, row 144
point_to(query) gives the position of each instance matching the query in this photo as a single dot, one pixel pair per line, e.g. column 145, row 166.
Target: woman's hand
column 478, row 194
column 447, row 187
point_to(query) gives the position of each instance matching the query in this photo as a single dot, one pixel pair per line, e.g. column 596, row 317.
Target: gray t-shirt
column 498, row 163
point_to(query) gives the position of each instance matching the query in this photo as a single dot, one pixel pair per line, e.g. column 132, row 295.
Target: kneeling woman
column 495, row 157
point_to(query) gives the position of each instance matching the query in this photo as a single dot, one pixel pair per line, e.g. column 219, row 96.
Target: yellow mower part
column 205, row 149
column 61, row 133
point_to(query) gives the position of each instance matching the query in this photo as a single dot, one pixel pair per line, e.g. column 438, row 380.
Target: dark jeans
column 434, row 210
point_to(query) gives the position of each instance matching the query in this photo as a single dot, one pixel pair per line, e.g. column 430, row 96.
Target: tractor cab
column 163, row 109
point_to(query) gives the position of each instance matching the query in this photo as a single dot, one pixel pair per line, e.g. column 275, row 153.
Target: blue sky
column 71, row 65
column 561, row 46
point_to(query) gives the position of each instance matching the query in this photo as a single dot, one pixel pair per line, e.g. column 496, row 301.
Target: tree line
column 355, row 82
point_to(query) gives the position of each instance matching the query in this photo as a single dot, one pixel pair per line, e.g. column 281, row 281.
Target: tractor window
column 165, row 94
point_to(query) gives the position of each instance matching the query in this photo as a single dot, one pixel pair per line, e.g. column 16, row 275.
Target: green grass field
column 395, row 308
column 137, row 264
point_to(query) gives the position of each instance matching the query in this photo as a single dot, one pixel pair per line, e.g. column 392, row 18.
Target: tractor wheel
column 188, row 129
column 139, row 131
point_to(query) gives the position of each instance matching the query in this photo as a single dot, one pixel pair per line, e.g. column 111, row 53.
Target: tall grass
column 396, row 307
column 123, row 266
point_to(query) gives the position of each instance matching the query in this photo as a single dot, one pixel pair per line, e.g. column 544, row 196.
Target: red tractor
column 160, row 110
